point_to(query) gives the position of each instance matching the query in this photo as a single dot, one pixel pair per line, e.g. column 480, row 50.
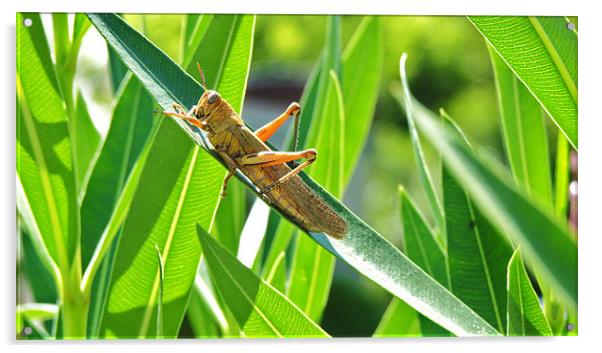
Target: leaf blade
column 260, row 310
column 525, row 137
column 550, row 68
column 525, row 317
column 174, row 167
column 555, row 254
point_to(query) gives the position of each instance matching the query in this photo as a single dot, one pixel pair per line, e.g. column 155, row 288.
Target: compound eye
column 212, row 97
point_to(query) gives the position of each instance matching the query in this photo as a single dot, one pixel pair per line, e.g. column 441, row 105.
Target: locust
column 242, row 149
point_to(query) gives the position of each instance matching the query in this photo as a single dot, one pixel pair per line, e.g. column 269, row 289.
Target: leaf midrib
column 53, row 212
column 559, row 64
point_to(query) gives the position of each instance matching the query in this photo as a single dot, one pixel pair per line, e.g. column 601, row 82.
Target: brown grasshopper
column 245, row 150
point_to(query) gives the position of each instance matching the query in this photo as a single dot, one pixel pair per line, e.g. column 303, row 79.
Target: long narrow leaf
column 313, row 266
column 260, row 310
column 546, row 242
column 391, row 269
column 421, row 246
column 131, row 124
column 44, row 154
column 425, row 176
column 179, row 186
column 542, row 52
column 524, row 133
column 85, row 138
column 525, row 317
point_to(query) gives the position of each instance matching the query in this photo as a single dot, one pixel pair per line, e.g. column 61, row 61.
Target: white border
column 590, row 241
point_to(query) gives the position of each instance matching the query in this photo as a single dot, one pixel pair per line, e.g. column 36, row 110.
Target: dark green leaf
column 390, row 269
column 85, row 138
column 546, row 241
column 174, row 167
column 260, row 310
column 525, row 317
column 524, row 132
column 421, row 246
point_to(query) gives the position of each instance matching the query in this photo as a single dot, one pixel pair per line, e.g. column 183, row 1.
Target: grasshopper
column 245, row 150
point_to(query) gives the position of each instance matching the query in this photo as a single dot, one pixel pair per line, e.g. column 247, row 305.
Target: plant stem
column 75, row 307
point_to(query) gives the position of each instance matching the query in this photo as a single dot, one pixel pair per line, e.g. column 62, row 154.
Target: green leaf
column 285, row 229
column 215, row 304
column 195, row 28
column 80, row 28
column 210, row 37
column 360, row 79
column 160, row 299
column 525, row 316
column 85, row 138
column 200, row 317
column 421, row 246
column 260, row 310
column 117, row 69
column 477, row 255
column 419, row 242
column 524, row 131
column 399, row 320
column 561, row 186
column 178, row 188
column 313, row 266
column 276, row 276
column 44, row 153
column 425, row 177
column 131, row 124
column 39, row 277
column 546, row 242
column 391, row 269
column 62, row 42
column 230, row 217
column 542, row 52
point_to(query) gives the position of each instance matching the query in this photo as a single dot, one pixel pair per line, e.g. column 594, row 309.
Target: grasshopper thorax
column 214, row 112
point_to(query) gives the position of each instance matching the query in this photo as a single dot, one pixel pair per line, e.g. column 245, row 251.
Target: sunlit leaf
column 261, row 311
column 179, row 186
column 546, row 241
column 525, row 317
column 542, row 52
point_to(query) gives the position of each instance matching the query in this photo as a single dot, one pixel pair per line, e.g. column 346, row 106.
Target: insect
column 245, row 150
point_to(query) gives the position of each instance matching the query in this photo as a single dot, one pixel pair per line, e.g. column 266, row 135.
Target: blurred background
column 448, row 67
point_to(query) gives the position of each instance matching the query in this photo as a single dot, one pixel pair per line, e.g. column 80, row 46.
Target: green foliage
column 115, row 228
column 475, row 251
column 550, row 68
column 524, row 132
column 547, row 243
column 260, row 310
column 525, row 317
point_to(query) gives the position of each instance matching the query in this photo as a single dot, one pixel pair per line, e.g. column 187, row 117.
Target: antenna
column 203, row 82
